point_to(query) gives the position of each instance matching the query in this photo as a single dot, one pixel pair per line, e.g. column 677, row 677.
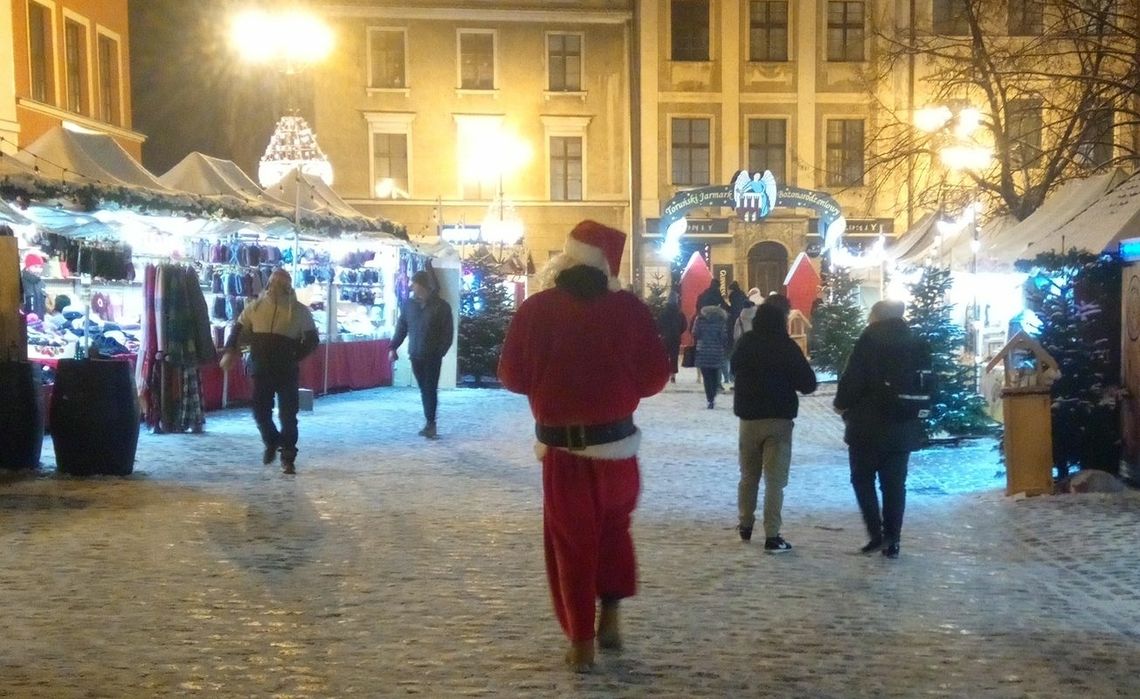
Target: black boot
column 288, row 460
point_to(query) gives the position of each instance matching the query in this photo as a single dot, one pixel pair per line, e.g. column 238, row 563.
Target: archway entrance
column 767, row 267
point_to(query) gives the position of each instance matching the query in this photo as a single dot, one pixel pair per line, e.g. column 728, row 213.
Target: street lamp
column 497, row 154
column 959, row 150
column 290, row 41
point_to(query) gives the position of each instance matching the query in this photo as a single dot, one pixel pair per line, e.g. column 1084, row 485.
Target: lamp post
column 954, row 129
column 290, row 41
column 499, row 154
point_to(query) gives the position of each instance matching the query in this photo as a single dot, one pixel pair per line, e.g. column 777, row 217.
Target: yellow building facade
column 619, row 105
column 65, row 61
column 429, row 111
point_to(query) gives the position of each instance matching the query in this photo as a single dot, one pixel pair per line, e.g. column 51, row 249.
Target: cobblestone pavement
column 390, row 566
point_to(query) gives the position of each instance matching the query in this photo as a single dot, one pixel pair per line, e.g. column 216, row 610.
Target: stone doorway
column 767, row 267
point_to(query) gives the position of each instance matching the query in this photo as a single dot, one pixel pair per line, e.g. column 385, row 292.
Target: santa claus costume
column 585, row 353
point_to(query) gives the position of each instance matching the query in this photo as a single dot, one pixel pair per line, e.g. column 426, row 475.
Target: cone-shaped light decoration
column 293, row 144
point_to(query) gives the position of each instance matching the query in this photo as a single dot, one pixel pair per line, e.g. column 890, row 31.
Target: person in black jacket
column 879, row 441
column 770, row 369
column 425, row 320
column 671, row 324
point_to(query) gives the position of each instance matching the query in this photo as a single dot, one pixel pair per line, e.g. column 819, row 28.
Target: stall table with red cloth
column 351, row 365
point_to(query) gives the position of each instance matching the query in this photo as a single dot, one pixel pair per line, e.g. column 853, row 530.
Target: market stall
column 98, row 219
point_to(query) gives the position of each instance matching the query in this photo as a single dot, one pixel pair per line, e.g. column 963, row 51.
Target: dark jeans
column 283, row 386
column 426, row 371
column 890, row 466
column 711, row 379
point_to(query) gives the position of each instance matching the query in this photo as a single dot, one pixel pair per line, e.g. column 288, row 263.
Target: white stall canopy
column 70, row 155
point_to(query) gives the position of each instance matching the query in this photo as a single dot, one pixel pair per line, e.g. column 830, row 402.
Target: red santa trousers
column 587, row 504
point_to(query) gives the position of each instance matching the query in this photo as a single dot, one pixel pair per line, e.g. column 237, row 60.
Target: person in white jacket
column 744, row 321
column 280, row 332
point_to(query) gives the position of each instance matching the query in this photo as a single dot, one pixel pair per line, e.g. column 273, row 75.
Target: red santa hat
column 597, row 245
column 33, row 260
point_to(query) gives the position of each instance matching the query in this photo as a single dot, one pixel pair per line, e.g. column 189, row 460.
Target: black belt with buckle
column 578, row 437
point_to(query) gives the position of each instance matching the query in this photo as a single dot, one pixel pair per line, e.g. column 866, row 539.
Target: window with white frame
column 110, row 80
column 41, row 52
column 76, row 65
column 386, row 58
column 844, row 152
column 564, row 62
column 1096, row 141
column 846, row 32
column 691, row 150
column 389, row 135
column 768, row 30
column 566, row 148
column 1025, row 123
column 566, row 168
column 768, row 147
column 476, row 60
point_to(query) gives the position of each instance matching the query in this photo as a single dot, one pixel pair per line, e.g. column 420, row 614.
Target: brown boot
column 580, row 657
column 609, row 632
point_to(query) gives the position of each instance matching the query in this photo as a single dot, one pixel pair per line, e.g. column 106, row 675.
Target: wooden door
column 767, row 267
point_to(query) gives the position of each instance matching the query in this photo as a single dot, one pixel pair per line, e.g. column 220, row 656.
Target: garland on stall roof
column 93, row 195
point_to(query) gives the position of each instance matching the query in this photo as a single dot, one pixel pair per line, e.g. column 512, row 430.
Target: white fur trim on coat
column 621, row 449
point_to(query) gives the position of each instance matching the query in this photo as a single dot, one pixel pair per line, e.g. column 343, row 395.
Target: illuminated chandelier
column 293, row 145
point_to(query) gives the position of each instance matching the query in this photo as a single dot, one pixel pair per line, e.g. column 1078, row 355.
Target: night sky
column 190, row 92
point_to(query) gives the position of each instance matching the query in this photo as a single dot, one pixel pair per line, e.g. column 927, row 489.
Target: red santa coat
column 583, row 361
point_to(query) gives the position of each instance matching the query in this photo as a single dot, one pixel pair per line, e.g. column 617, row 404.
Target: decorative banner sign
column 753, row 197
column 460, row 235
column 695, row 226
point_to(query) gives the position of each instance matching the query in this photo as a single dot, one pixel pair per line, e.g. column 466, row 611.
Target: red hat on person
column 597, row 245
column 33, row 260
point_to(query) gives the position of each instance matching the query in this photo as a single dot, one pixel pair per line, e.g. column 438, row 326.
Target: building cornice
column 483, row 16
column 84, row 121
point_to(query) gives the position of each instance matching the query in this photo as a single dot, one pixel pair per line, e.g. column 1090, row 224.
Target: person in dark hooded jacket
column 710, row 331
column 770, row 369
column 879, row 442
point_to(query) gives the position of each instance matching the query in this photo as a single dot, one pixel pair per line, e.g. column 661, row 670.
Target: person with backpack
column 882, row 396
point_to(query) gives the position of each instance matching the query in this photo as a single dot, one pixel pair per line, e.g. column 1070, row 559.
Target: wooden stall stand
column 1027, row 407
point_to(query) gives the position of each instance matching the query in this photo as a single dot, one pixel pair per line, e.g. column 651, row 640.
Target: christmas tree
column 1077, row 297
column 657, row 294
column 956, row 406
column 836, row 322
column 485, row 311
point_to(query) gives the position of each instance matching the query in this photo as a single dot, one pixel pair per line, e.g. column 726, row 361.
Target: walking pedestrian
column 710, row 330
column 280, row 332
column 425, row 320
column 879, row 437
column 769, row 370
column 744, row 322
column 585, row 354
column 671, row 325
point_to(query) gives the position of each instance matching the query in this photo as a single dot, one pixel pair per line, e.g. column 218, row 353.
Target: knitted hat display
column 597, row 245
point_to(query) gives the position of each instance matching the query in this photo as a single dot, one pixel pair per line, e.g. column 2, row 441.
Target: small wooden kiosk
column 1027, row 406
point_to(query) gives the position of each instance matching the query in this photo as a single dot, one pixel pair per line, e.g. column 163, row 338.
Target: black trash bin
column 21, row 416
column 94, row 417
